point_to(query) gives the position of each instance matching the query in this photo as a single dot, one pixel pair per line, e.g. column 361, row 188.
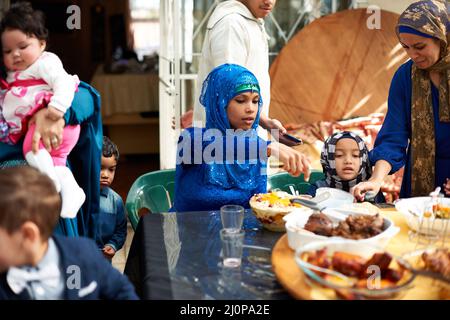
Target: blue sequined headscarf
column 221, row 85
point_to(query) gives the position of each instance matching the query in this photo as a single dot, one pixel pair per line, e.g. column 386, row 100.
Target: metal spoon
column 313, row 203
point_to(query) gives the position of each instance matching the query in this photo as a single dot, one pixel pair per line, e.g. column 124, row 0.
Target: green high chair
column 153, row 191
column 283, row 180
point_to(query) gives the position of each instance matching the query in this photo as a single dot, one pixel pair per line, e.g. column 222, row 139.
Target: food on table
column 438, row 261
column 353, row 227
column 442, row 212
column 320, row 224
column 270, row 208
column 359, row 271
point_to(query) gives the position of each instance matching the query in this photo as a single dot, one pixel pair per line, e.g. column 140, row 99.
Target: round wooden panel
column 288, row 273
column 335, row 68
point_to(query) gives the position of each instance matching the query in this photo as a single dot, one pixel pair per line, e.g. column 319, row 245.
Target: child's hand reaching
column 447, row 187
column 295, row 163
column 108, row 252
column 54, row 114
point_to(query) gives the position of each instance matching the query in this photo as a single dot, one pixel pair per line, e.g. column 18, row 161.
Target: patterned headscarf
column 327, row 159
column 219, row 88
column 430, row 18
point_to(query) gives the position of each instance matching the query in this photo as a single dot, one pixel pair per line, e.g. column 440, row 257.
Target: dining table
column 177, row 255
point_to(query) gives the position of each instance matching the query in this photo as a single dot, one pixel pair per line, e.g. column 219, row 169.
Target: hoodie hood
column 231, row 7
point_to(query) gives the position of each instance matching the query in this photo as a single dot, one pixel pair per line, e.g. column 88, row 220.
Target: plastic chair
column 283, row 180
column 153, row 191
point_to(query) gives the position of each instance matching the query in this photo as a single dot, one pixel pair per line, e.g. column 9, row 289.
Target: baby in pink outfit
column 36, row 79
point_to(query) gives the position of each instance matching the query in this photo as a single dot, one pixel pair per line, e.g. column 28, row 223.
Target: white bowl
column 353, row 208
column 298, row 236
column 413, row 209
column 337, row 198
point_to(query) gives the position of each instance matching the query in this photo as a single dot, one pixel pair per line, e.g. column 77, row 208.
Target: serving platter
column 295, row 282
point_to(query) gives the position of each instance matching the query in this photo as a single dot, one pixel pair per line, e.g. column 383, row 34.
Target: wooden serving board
column 288, row 273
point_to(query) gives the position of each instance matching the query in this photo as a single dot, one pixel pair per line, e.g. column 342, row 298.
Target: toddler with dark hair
column 111, row 220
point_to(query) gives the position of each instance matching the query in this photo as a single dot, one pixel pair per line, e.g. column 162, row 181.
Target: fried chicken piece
column 349, row 264
column 320, row 224
column 359, row 227
column 382, row 260
column 438, row 261
column 319, row 258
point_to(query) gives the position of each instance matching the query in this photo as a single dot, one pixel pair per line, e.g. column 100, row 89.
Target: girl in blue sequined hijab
column 223, row 84
column 230, row 95
column 223, row 96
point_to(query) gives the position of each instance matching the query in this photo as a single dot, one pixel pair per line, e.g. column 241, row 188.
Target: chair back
column 153, row 191
column 283, row 180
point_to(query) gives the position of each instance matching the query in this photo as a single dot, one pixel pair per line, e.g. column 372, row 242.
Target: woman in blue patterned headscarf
column 225, row 162
column 416, row 130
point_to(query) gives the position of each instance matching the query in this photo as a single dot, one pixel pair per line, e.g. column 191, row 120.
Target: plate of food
column 347, row 269
column 423, row 218
column 270, row 208
column 319, row 226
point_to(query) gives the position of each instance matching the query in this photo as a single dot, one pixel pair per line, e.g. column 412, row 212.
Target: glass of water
column 232, row 217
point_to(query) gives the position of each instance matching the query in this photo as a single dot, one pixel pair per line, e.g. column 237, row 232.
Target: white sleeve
column 63, row 84
column 229, row 42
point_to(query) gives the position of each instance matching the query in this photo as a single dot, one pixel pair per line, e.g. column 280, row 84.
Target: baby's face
column 11, row 249
column 347, row 159
column 20, row 50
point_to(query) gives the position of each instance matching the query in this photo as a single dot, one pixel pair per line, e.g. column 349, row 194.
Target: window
column 145, row 26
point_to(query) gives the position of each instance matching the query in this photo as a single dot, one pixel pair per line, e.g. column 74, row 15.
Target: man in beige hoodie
column 235, row 34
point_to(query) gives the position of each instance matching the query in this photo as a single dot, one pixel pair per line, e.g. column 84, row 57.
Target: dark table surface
column 177, row 256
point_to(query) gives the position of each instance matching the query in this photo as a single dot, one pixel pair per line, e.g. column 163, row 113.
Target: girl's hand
column 359, row 191
column 295, row 163
column 274, row 124
column 47, row 130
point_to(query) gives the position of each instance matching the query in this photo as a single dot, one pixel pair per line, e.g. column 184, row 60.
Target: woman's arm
column 390, row 151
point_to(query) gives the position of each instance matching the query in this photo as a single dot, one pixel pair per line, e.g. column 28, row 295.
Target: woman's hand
column 359, row 191
column 447, row 187
column 294, row 162
column 47, row 130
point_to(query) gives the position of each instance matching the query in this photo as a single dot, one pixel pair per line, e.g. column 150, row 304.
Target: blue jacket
column 111, row 221
column 96, row 273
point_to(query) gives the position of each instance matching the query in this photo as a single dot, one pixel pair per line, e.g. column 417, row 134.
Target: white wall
column 397, row 6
